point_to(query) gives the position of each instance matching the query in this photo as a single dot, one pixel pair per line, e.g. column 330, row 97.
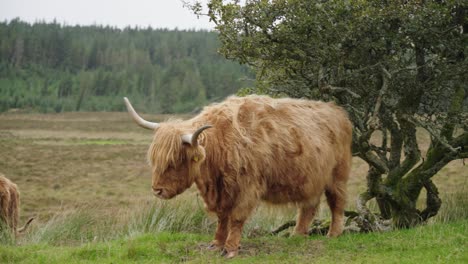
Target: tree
column 390, row 66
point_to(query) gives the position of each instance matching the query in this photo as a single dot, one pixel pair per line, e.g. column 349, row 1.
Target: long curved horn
column 22, row 229
column 192, row 139
column 140, row 121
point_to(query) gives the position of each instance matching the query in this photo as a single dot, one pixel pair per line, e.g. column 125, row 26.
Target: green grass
column 435, row 243
column 438, row 243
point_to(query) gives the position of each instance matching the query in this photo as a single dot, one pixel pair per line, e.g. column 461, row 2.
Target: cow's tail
column 22, row 229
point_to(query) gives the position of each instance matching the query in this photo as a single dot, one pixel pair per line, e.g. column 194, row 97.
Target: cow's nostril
column 157, row 191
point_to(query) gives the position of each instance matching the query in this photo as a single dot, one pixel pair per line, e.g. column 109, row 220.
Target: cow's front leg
column 221, row 233
column 231, row 246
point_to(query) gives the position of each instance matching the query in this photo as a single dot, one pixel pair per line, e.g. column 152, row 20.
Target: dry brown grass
column 66, row 161
column 71, row 160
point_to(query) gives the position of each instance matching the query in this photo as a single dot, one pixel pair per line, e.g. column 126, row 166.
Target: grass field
column 437, row 243
column 85, row 178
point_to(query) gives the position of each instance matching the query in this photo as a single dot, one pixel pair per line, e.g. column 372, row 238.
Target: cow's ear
column 196, row 155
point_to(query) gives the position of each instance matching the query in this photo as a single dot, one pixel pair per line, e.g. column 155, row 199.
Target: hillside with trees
column 51, row 67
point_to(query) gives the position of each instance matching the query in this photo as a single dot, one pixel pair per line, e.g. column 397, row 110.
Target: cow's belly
column 278, row 194
column 297, row 188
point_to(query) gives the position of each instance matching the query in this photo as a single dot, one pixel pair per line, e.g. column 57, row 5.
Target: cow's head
column 174, row 154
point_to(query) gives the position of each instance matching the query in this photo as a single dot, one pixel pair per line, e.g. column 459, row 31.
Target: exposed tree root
column 355, row 223
column 283, row 227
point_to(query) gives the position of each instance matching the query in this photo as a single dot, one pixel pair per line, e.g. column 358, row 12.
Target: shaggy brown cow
column 9, row 206
column 258, row 148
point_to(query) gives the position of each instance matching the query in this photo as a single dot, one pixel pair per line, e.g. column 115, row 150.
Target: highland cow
column 251, row 149
column 9, row 206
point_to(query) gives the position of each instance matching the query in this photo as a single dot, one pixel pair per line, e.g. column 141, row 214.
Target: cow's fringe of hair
column 165, row 149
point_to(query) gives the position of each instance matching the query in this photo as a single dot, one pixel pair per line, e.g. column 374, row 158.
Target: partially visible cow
column 257, row 148
column 9, row 206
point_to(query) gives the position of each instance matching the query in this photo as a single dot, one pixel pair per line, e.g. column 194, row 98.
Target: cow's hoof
column 213, row 247
column 332, row 235
column 229, row 254
column 300, row 234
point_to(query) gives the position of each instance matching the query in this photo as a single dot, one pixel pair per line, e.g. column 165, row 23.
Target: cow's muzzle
column 161, row 193
column 157, row 191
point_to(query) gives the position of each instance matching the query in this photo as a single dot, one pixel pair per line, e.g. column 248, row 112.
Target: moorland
column 84, row 176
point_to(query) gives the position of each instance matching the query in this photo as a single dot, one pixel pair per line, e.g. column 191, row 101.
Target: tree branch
column 433, row 202
column 431, row 171
column 431, row 131
column 361, row 202
column 455, row 110
column 283, row 227
column 412, row 154
column 396, row 146
column 367, row 221
column 338, row 90
column 374, row 161
column 373, row 121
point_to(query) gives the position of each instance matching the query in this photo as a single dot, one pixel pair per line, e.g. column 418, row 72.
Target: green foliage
column 55, row 68
column 300, row 47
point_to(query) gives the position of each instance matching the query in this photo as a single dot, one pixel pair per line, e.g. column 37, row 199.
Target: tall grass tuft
column 87, row 224
column 65, row 228
column 179, row 215
column 6, row 236
column 454, row 207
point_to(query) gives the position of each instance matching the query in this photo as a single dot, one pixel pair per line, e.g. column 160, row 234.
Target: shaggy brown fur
column 275, row 150
column 9, row 206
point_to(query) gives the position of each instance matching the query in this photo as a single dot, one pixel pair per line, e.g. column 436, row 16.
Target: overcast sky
column 120, row 13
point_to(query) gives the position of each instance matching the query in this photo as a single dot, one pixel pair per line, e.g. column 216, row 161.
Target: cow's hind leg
column 304, row 217
column 14, row 210
column 336, row 198
column 5, row 220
